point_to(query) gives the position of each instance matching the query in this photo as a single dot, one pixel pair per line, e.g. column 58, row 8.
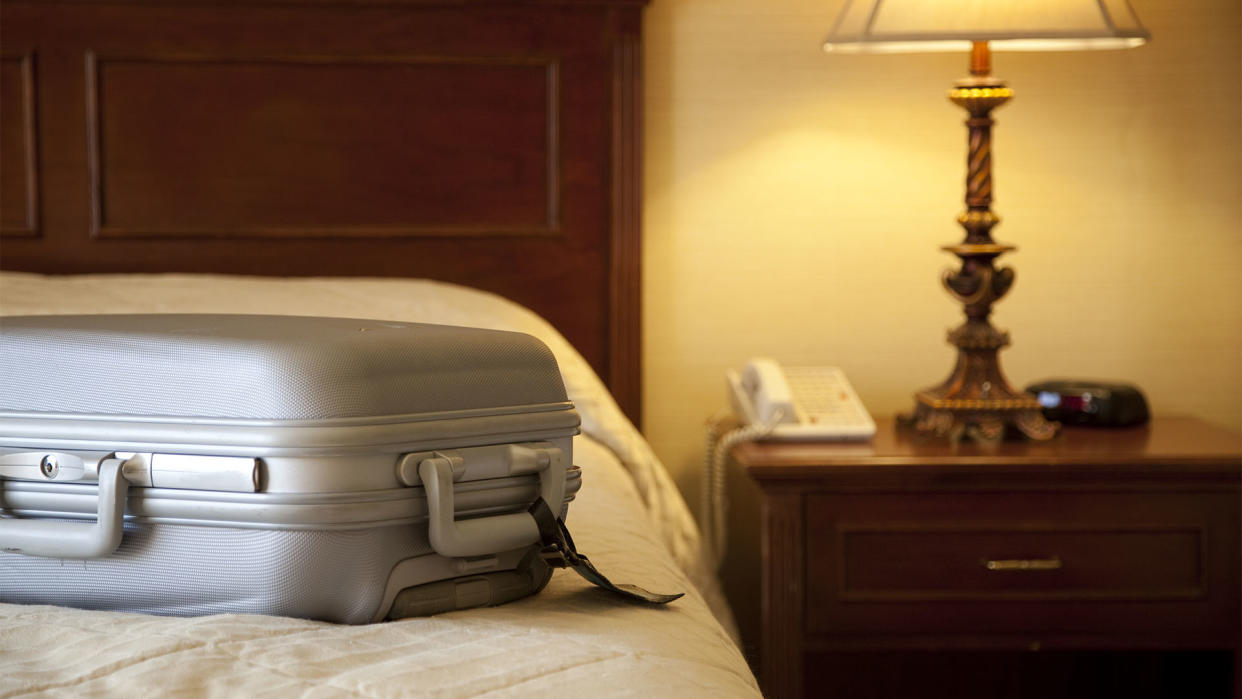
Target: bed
column 469, row 163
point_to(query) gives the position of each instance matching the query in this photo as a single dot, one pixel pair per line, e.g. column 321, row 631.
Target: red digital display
column 1073, row 402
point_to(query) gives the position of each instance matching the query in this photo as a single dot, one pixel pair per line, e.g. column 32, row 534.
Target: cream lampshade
column 1015, row 25
column 976, row 400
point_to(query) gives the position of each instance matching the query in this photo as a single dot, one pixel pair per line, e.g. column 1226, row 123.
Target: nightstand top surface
column 1163, row 442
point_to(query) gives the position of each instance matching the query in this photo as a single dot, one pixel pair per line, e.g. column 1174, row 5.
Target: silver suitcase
column 326, row 468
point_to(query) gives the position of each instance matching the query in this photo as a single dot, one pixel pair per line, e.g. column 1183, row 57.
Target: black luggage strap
column 558, row 551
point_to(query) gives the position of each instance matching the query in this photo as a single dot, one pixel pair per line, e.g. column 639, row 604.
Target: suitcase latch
column 114, row 473
column 234, row 474
column 55, row 539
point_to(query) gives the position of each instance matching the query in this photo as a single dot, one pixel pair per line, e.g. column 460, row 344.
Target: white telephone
column 775, row 402
column 799, row 403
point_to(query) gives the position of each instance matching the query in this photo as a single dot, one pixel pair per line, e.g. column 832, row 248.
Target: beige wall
column 795, row 203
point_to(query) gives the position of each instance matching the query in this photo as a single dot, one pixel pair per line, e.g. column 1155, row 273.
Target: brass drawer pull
column 1053, row 563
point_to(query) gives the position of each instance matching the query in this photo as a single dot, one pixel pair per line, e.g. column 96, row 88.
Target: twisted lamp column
column 976, row 401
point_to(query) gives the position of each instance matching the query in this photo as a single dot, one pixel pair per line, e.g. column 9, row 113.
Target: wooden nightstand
column 1118, row 540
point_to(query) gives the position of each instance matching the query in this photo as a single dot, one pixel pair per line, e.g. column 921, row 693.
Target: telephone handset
column 807, row 403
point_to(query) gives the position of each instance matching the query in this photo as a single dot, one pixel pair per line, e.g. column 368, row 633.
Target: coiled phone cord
column 714, row 501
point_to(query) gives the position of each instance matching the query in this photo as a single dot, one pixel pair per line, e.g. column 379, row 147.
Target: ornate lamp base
column 976, row 401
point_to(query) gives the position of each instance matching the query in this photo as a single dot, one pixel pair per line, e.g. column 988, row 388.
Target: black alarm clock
column 1083, row 402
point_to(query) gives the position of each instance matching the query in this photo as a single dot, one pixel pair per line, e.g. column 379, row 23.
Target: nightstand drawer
column 994, row 562
column 929, row 562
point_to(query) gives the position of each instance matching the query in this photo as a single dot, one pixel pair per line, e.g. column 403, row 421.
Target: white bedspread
column 571, row 638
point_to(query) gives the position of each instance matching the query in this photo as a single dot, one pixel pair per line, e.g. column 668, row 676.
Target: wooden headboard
column 493, row 144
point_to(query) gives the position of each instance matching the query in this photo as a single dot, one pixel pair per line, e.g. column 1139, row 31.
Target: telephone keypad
column 823, row 397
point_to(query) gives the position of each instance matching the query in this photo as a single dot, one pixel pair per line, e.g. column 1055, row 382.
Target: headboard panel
column 494, row 144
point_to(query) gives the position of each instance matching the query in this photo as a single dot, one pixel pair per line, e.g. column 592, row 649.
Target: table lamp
column 976, row 401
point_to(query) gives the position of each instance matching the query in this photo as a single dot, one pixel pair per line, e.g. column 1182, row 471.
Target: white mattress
column 570, row 638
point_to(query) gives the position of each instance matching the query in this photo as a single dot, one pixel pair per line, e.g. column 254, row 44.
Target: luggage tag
column 558, row 551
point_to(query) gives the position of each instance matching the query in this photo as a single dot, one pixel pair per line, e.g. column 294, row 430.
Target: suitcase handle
column 481, row 536
column 74, row 539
